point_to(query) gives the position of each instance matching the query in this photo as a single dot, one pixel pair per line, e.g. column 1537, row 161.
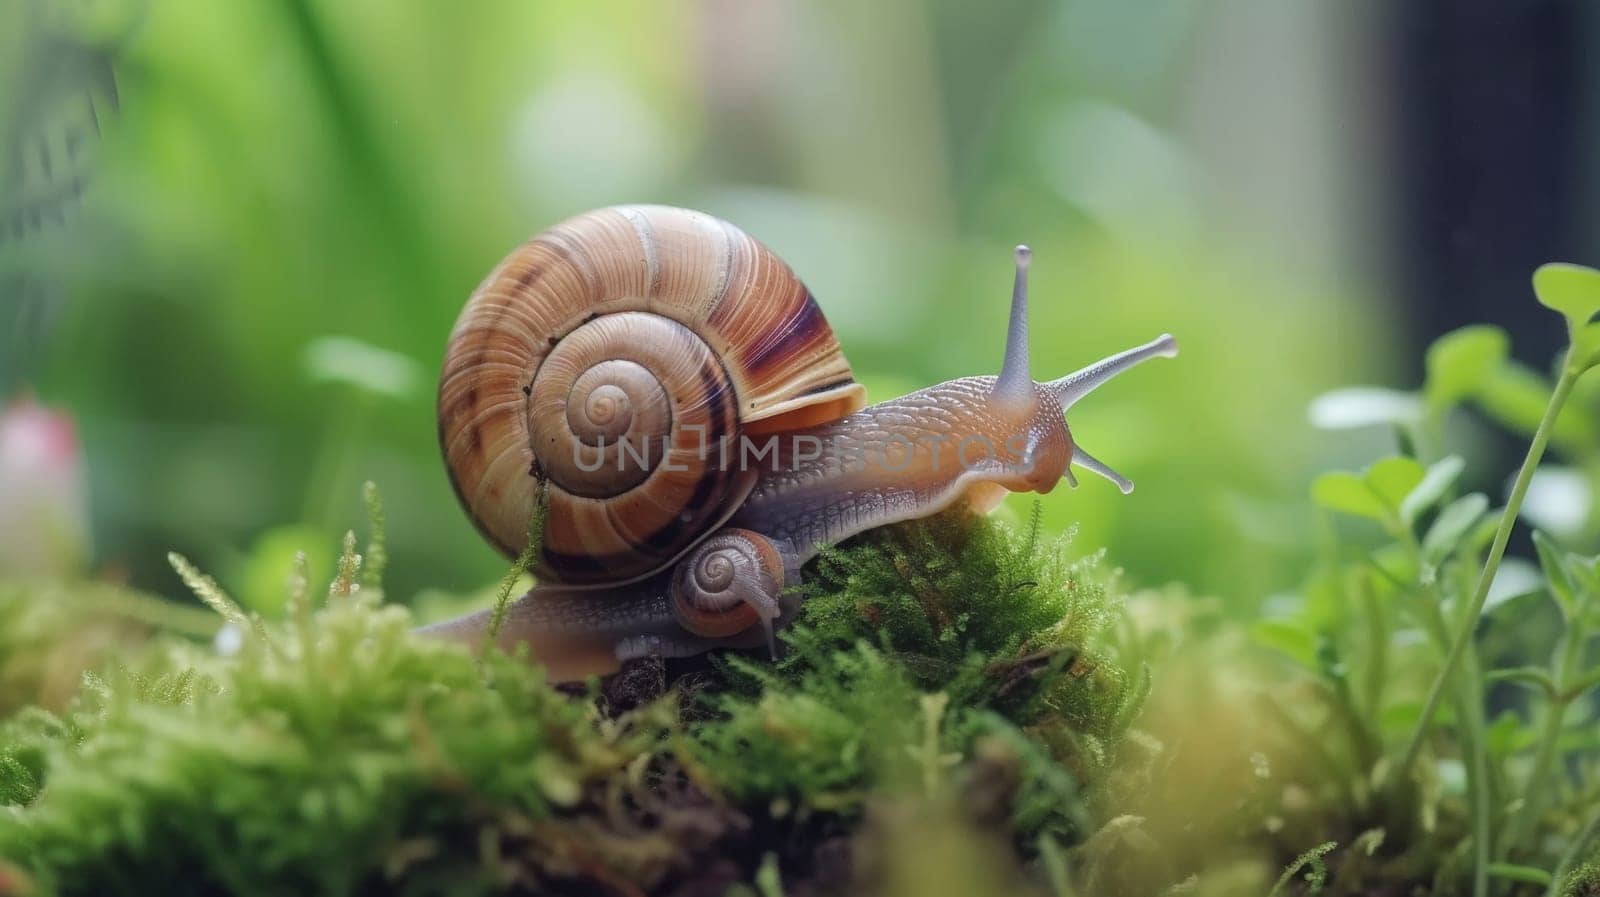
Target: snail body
column 677, row 393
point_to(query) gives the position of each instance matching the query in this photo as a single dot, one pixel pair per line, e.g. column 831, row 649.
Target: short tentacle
column 1094, row 465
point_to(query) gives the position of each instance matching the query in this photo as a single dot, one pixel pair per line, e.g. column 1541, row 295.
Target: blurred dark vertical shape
column 1493, row 166
column 56, row 95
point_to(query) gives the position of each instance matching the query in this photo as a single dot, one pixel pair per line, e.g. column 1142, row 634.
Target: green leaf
column 1392, row 479
column 1435, row 483
column 1402, row 716
column 1516, row 396
column 1585, row 572
column 1478, row 538
column 1572, row 290
column 1395, row 562
column 1376, row 493
column 1347, row 493
column 1288, row 637
column 1452, row 525
column 1507, row 735
column 1533, row 678
column 1462, row 360
column 1586, row 345
column 1584, row 683
column 1513, row 872
column 1555, row 573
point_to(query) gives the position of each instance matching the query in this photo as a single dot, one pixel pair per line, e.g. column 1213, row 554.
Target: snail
column 674, row 392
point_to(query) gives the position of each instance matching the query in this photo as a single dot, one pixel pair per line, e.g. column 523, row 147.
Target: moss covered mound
column 949, row 666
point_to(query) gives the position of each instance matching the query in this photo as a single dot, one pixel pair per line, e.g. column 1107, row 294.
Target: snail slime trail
column 702, row 436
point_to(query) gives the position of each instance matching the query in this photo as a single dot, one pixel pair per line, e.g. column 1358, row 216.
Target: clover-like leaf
column 1396, row 563
column 1572, row 290
column 1438, row 479
column 1392, row 479
column 1462, row 360
column 1376, row 493
column 1347, row 493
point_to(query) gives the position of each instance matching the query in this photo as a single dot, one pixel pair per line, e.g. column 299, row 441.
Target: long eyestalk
column 1015, row 383
column 1074, row 386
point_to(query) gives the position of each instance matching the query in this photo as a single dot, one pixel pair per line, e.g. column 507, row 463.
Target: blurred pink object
column 44, row 515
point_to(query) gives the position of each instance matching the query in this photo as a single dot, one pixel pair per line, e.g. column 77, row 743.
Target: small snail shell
column 729, row 584
column 654, row 329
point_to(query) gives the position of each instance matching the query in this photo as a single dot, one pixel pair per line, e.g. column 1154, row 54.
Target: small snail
column 674, row 389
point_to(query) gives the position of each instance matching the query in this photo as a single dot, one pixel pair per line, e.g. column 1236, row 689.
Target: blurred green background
column 234, row 236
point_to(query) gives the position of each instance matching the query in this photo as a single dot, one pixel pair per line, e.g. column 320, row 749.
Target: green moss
column 969, row 606
column 337, row 752
column 1010, row 633
column 818, row 739
column 361, row 755
column 50, row 632
column 1583, row 881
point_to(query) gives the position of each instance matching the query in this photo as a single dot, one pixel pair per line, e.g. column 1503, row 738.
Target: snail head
column 1036, row 409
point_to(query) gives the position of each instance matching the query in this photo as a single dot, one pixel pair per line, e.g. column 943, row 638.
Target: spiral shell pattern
column 728, row 584
column 609, row 354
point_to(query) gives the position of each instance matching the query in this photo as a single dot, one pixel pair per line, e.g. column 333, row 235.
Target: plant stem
column 1543, row 762
column 1562, row 668
column 1378, row 644
column 1471, row 702
column 525, row 561
column 1491, row 565
column 1473, row 729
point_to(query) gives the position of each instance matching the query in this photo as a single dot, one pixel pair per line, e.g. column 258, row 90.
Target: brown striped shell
column 727, row 585
column 611, row 353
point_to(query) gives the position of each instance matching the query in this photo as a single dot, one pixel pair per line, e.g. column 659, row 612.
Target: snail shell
column 610, row 354
column 730, row 584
